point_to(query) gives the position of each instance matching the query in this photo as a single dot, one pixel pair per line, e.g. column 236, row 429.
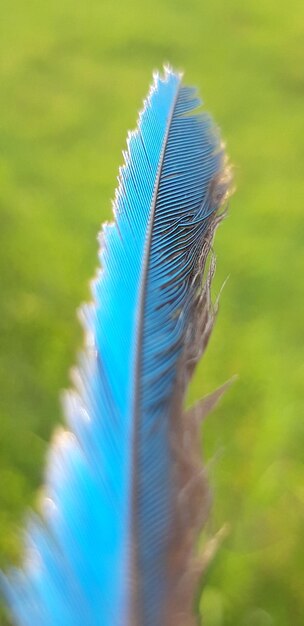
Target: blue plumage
column 112, row 545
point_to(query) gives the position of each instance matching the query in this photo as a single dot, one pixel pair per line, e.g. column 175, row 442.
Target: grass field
column 73, row 75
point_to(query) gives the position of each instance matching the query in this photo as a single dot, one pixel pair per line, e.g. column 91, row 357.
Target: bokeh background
column 73, row 75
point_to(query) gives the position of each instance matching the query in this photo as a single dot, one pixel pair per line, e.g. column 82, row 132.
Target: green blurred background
column 73, row 76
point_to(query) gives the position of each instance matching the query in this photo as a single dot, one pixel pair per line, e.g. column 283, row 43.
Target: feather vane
column 124, row 487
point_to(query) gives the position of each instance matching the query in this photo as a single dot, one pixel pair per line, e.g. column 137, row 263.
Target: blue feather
column 113, row 543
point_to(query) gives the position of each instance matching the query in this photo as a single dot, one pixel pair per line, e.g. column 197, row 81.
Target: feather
column 125, row 494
